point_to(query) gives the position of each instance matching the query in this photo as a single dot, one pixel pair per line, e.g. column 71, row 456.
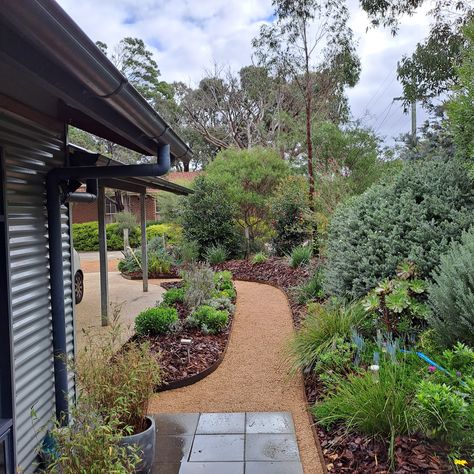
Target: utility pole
column 413, row 119
column 413, row 122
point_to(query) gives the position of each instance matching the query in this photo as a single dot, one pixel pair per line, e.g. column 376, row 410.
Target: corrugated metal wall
column 30, row 151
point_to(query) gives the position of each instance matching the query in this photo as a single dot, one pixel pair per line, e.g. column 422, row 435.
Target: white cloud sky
column 188, row 36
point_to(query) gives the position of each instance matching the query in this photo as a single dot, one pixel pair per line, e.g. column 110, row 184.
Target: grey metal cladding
column 30, row 151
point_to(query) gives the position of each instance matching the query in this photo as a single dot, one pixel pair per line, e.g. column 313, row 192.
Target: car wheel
column 78, row 287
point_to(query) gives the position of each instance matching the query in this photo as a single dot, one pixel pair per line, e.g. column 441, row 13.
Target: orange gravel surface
column 253, row 375
column 93, row 266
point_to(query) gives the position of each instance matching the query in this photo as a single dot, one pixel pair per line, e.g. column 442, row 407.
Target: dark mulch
column 343, row 452
column 347, row 452
column 204, row 350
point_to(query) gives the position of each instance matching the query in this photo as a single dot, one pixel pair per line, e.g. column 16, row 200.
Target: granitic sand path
column 253, row 375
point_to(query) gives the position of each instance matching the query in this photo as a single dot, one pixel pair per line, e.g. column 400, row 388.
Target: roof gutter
column 45, row 24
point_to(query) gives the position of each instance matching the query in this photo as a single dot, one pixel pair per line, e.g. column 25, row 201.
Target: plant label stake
column 187, row 343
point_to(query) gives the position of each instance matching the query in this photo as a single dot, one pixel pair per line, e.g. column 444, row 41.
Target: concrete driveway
column 127, row 294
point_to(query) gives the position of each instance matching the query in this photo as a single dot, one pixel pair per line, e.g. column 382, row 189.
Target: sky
column 188, row 36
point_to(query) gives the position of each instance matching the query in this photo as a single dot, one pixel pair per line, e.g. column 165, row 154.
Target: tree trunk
column 309, row 146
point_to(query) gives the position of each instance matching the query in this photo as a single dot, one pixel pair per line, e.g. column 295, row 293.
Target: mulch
column 343, row 452
column 173, row 273
column 204, row 350
column 275, row 271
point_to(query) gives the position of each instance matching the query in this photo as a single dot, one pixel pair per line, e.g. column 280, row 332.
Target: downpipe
column 53, row 205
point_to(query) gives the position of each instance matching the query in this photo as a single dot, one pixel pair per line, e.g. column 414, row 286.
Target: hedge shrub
column 209, row 319
column 452, row 294
column 86, row 237
column 414, row 217
column 153, row 321
column 172, row 232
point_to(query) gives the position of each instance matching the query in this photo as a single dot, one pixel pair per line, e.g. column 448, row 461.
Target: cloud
column 188, row 37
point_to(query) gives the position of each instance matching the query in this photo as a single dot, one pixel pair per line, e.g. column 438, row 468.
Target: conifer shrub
column 413, row 217
column 451, row 295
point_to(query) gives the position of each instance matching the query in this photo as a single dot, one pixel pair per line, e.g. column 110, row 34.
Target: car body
column 78, row 278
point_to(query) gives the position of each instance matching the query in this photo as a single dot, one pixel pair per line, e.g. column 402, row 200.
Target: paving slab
column 176, row 423
column 221, row 423
column 271, row 447
column 273, row 468
column 208, row 448
column 267, row 422
column 220, row 443
column 173, row 449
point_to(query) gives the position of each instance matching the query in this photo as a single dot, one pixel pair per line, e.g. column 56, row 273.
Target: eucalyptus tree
column 432, row 68
column 309, row 37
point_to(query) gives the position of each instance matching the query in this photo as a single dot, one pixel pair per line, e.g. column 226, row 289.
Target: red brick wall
column 84, row 212
column 87, row 211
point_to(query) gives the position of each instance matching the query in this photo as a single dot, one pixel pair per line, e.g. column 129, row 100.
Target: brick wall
column 87, row 211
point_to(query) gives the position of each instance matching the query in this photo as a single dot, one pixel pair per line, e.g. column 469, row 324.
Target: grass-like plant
column 322, row 326
column 311, row 289
column 118, row 385
column 300, row 255
column 379, row 404
column 216, row 254
column 259, row 258
column 158, row 320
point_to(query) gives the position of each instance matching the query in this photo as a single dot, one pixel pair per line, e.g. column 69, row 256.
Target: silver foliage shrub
column 451, row 295
column 413, row 217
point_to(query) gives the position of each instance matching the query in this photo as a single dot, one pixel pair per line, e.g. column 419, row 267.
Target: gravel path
column 253, row 375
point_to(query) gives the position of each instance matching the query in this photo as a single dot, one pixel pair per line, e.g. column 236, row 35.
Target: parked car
column 78, row 278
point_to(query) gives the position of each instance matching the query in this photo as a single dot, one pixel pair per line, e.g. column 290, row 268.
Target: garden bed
column 343, row 452
column 206, row 350
column 173, row 273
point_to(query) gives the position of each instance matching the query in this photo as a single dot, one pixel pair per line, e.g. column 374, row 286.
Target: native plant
column 323, row 325
column 312, row 289
column 210, row 320
column 199, row 285
column 379, row 404
column 451, row 296
column 216, row 254
column 399, row 303
column 414, row 217
column 300, row 256
column 259, row 258
column 155, row 321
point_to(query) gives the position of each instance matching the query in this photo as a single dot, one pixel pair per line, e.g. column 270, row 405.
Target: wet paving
column 226, row 443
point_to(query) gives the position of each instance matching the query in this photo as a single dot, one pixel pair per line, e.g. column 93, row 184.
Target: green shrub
column 187, row 252
column 312, row 289
column 375, row 405
column 323, row 325
column 222, row 303
column 170, row 233
column 208, row 218
column 159, row 265
column 443, row 412
column 198, row 281
column 398, row 305
column 259, row 258
column 173, row 296
column 209, row 319
column 290, row 211
column 86, row 237
column 460, row 359
column 452, row 294
column 414, row 217
column 229, row 293
column 216, row 254
column 153, row 321
column 300, row 256
column 223, row 280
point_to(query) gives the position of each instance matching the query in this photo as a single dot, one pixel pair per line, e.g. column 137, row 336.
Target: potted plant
column 115, row 384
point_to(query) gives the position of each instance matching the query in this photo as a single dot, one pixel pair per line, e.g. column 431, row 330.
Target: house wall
column 87, row 211
column 30, row 151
